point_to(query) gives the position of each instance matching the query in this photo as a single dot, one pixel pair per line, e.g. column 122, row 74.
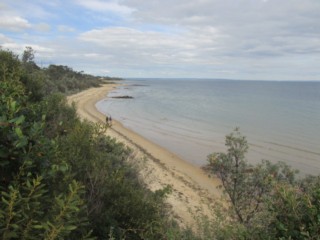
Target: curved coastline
column 192, row 189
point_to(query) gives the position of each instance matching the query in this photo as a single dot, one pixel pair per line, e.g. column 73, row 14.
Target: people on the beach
column 109, row 120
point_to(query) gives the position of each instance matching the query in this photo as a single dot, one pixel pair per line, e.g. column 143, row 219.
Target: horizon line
column 216, row 79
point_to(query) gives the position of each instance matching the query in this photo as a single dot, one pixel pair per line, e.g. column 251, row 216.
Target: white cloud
column 43, row 27
column 258, row 22
column 41, row 49
column 137, row 47
column 15, row 47
column 13, row 23
column 35, row 9
column 206, row 38
column 96, row 57
column 64, row 28
column 20, row 47
column 106, row 6
column 4, row 39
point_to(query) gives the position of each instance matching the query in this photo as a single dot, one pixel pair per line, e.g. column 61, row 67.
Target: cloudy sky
column 234, row 39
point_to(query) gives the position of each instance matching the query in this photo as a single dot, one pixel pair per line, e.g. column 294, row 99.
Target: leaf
column 21, row 143
column 15, row 226
column 37, row 226
column 282, row 227
column 13, row 105
column 18, row 132
column 11, row 235
column 18, row 120
column 4, row 200
column 64, row 168
column 28, row 184
column 304, row 233
column 3, row 154
column 70, row 228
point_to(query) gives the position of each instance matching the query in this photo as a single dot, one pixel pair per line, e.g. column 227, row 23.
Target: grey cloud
column 228, row 37
column 254, row 21
column 154, row 47
column 254, row 39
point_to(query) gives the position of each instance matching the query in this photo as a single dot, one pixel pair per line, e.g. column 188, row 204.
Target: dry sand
column 192, row 190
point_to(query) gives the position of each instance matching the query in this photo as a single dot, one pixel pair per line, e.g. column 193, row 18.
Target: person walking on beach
column 108, row 120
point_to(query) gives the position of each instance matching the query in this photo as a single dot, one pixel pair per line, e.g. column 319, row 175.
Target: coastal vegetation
column 265, row 201
column 63, row 178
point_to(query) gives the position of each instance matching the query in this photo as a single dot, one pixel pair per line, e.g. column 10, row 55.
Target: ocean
column 191, row 117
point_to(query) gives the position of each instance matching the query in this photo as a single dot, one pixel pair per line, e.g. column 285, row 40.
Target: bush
column 62, row 178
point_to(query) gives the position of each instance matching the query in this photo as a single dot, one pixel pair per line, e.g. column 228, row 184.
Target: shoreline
column 191, row 188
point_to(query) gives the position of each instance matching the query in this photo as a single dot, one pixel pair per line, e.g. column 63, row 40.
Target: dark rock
column 123, row 97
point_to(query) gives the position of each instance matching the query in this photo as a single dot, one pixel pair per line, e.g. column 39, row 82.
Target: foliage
column 66, row 80
column 30, row 208
column 61, row 178
column 115, row 198
column 297, row 209
column 264, row 201
column 28, row 55
column 9, row 65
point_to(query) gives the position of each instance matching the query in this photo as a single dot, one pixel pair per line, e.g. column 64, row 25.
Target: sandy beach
column 192, row 189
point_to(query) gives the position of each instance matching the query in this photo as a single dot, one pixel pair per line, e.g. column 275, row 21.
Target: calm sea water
column 281, row 120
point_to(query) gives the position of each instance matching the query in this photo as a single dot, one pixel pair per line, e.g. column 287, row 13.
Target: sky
column 229, row 39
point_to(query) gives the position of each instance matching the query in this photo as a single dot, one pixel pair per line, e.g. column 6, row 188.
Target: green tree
column 61, row 178
column 31, row 204
column 296, row 209
column 247, row 187
column 232, row 169
column 28, row 55
column 9, row 65
column 32, row 76
column 116, row 200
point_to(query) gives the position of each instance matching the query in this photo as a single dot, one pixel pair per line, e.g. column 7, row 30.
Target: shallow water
column 191, row 117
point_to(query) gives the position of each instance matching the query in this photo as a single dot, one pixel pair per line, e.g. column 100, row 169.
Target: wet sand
column 192, row 189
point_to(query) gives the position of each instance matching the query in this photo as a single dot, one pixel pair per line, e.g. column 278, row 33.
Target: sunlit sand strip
column 192, row 189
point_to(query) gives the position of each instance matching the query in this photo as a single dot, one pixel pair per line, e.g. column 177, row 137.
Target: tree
column 231, row 168
column 247, row 187
column 28, row 55
column 34, row 204
column 9, row 65
column 296, row 209
column 61, row 178
column 265, row 201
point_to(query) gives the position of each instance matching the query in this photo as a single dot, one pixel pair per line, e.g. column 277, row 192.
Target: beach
column 191, row 117
column 192, row 190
